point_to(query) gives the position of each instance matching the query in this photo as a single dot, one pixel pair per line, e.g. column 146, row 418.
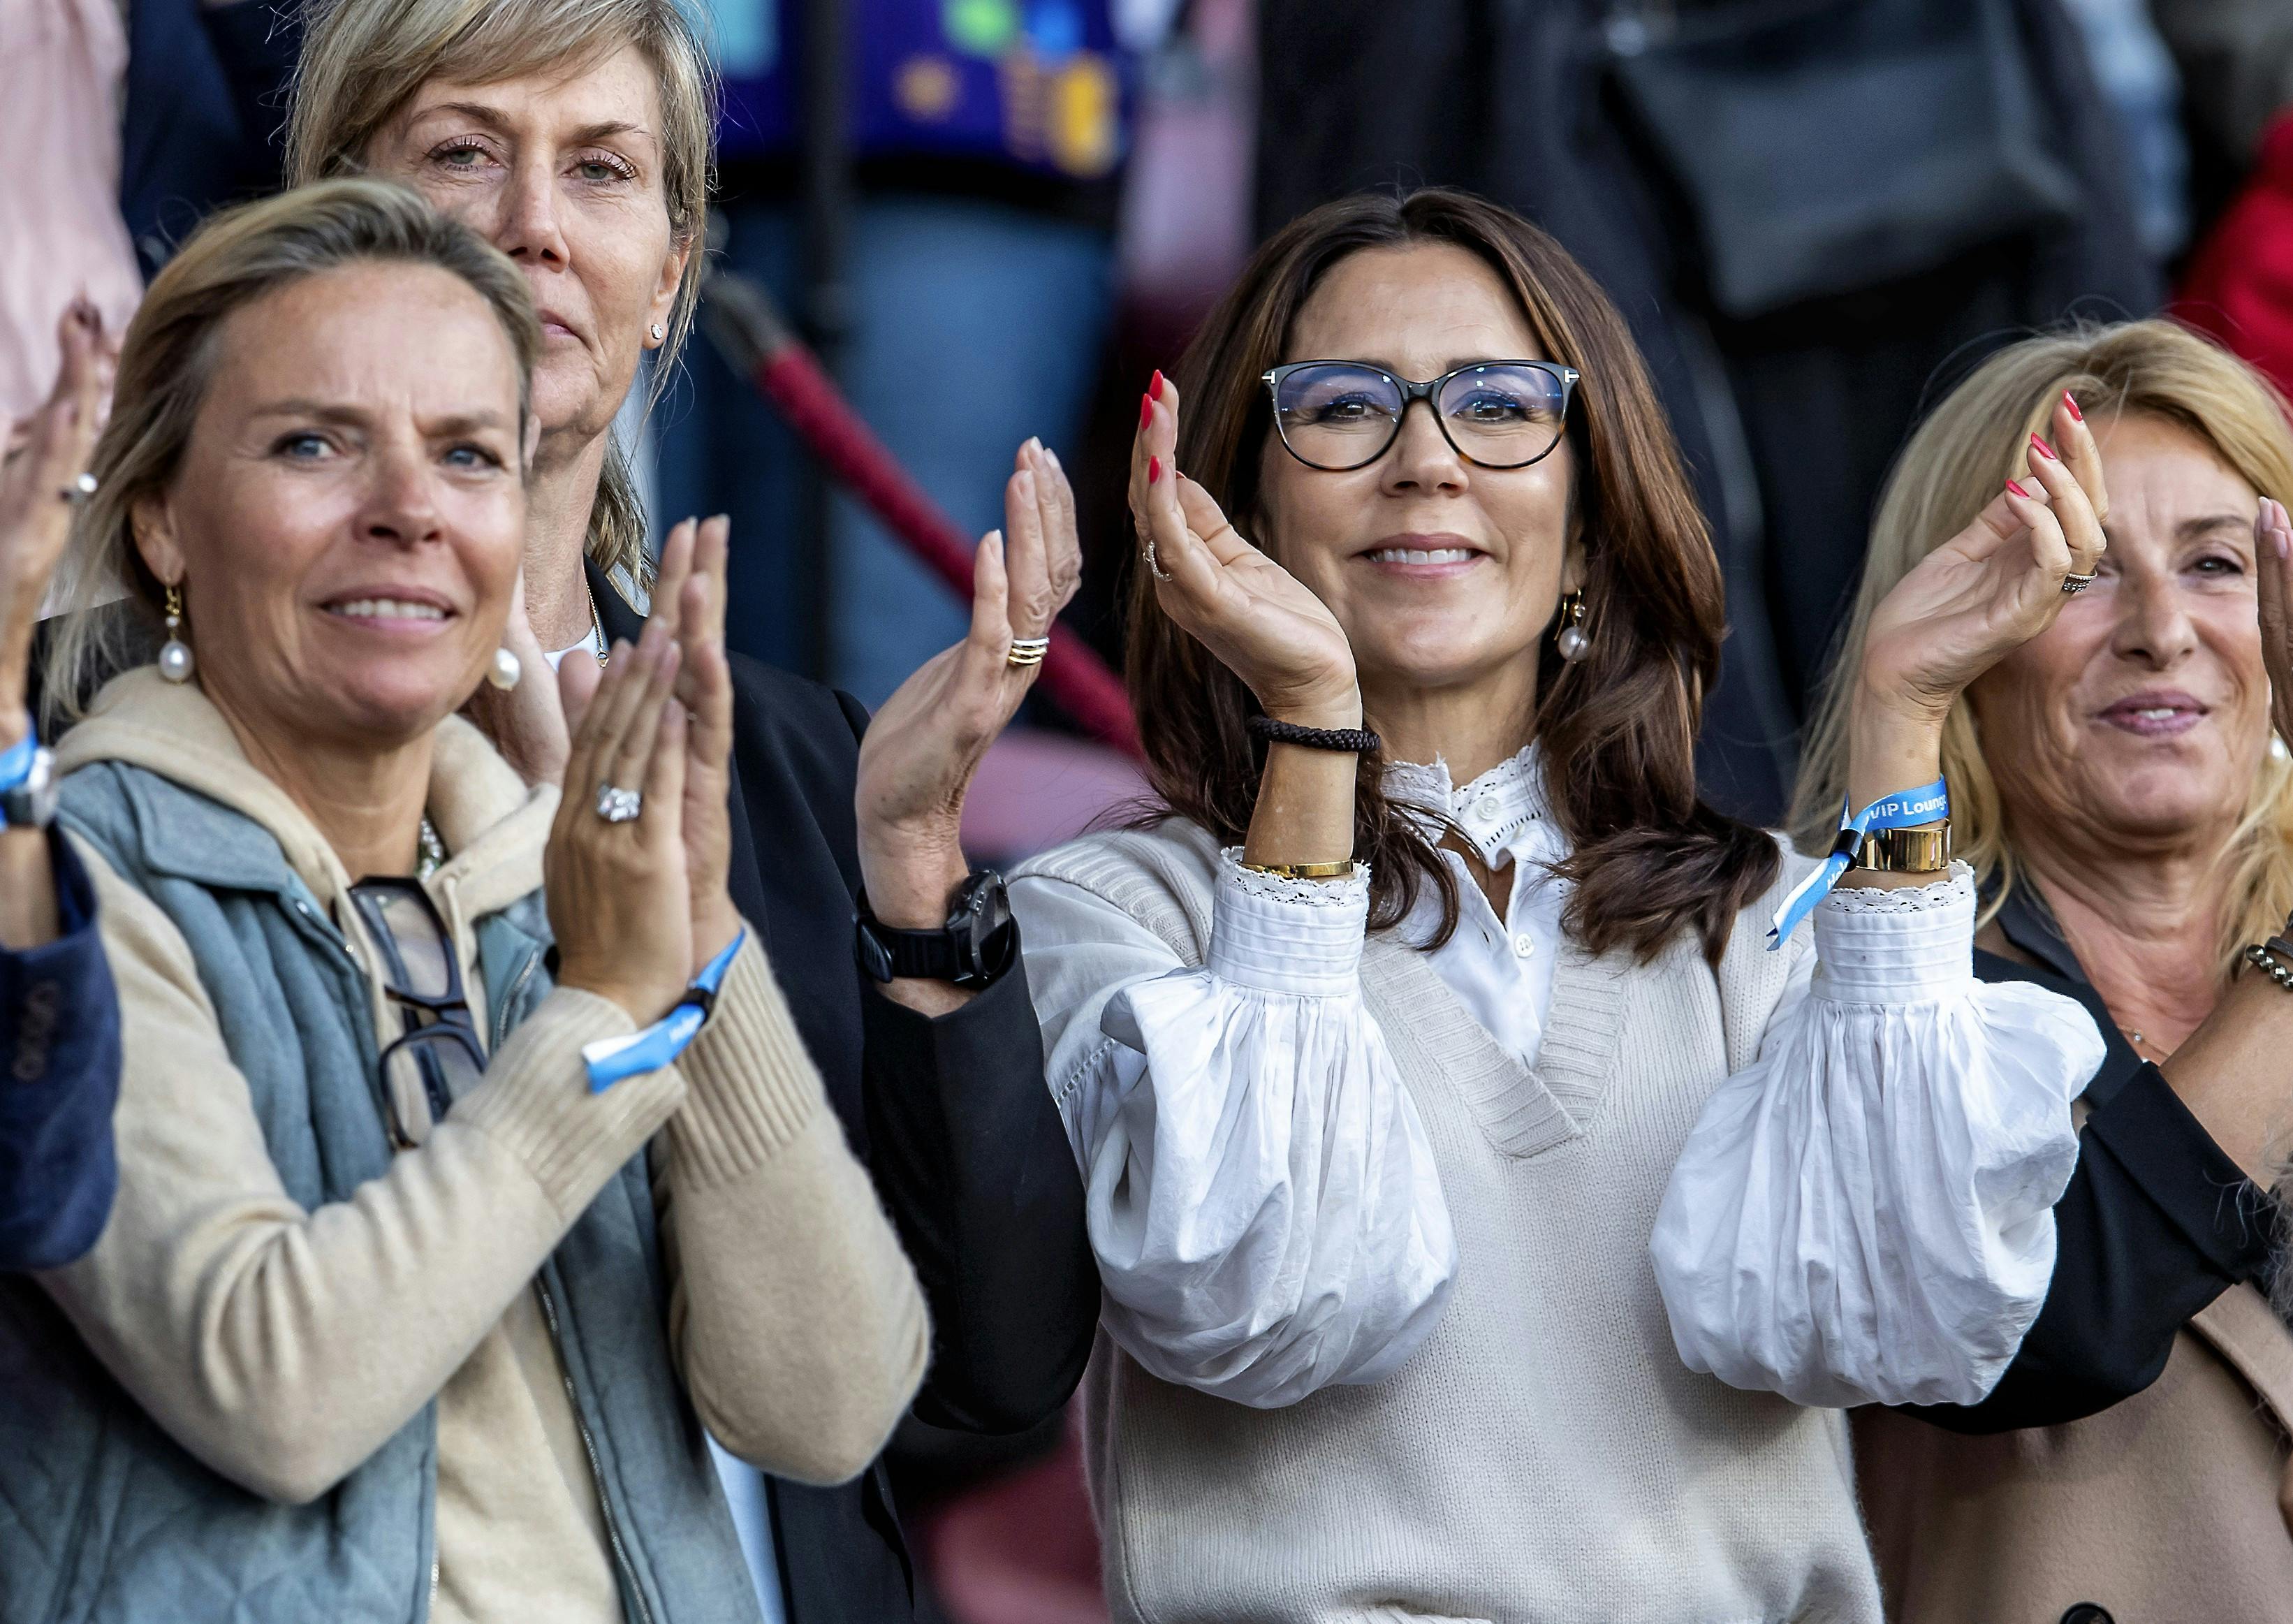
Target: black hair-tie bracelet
column 1353, row 741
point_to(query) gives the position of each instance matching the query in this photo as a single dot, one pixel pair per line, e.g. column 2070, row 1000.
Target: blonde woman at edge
column 1374, row 1150
column 2131, row 833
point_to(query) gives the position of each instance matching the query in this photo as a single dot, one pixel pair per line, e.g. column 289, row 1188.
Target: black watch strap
column 971, row 950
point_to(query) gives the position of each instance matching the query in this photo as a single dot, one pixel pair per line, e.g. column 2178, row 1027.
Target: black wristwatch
column 976, row 944
column 30, row 802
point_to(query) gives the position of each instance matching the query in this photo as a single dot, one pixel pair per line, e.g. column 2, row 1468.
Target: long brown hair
column 1618, row 727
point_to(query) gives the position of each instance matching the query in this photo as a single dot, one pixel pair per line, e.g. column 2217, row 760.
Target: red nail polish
column 2071, row 401
column 1156, row 388
column 2042, row 449
column 1146, row 410
column 1154, row 470
column 2017, row 489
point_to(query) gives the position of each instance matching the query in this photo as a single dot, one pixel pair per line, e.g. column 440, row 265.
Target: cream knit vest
column 1544, row 1456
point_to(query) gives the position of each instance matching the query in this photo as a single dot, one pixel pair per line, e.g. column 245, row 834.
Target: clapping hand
column 1250, row 611
column 1997, row 583
column 921, row 749
column 1991, row 587
column 618, row 903
column 37, row 486
column 688, row 606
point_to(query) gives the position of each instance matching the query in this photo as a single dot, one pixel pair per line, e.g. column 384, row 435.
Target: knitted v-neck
column 1522, row 1109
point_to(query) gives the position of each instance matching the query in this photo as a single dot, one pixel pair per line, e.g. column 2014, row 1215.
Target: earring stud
column 659, row 332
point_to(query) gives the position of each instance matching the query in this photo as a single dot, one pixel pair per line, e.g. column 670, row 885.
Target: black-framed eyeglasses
column 436, row 1057
column 1341, row 415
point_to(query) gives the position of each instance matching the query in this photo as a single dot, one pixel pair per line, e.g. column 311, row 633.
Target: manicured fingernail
column 1154, row 470
column 1156, row 388
column 2042, row 449
column 1052, row 458
column 1146, row 410
column 2017, row 489
column 2071, row 401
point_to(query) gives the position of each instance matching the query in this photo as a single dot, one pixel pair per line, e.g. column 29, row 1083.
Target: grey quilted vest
column 104, row 1517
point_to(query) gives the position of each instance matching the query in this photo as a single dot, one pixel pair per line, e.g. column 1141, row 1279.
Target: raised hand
column 36, row 487
column 688, row 604
column 618, row 904
column 922, row 748
column 1253, row 614
column 1993, row 587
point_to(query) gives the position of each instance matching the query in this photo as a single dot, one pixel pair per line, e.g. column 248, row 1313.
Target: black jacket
column 2156, row 1224
column 951, row 1116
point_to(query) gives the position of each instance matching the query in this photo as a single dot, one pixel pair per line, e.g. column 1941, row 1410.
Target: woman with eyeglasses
column 1381, row 1045
column 466, row 1158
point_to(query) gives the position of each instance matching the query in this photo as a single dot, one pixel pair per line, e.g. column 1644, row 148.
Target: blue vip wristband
column 1904, row 809
column 16, row 761
column 611, row 1059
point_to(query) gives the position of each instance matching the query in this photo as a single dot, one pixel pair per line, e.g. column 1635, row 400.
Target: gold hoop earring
column 175, row 660
column 1572, row 640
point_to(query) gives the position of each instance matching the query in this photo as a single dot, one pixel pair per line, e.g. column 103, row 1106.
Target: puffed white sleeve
column 1865, row 1214
column 1261, row 1194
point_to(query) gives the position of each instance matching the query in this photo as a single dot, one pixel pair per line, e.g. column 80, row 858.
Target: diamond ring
column 618, row 806
column 2076, row 583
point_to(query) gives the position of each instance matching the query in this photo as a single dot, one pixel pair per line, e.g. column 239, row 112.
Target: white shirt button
column 1487, row 809
column 1524, row 944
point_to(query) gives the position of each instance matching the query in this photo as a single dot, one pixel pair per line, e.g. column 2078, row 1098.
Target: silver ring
column 1153, row 568
column 2076, row 583
column 1027, row 651
column 79, row 490
column 618, row 806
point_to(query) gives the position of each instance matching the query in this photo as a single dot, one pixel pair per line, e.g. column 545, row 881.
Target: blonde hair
column 167, row 361
column 363, row 60
column 1952, row 467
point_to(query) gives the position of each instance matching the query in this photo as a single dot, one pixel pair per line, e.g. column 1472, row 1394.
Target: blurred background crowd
column 990, row 219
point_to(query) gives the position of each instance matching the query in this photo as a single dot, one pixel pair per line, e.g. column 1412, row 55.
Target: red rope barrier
column 741, row 319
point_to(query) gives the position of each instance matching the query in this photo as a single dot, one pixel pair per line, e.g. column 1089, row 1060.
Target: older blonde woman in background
column 576, row 136
column 2114, row 787
column 417, row 1273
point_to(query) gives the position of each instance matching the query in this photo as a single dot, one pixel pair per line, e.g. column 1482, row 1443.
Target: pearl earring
column 175, row 654
column 659, row 332
column 1572, row 640
column 506, row 671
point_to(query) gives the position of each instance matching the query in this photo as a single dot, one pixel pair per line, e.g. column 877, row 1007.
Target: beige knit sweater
column 1545, row 1458
column 282, row 1346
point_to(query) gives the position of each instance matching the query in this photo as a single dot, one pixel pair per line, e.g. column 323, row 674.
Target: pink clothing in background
column 61, row 63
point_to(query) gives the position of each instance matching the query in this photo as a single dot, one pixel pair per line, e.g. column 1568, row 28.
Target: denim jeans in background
column 973, row 325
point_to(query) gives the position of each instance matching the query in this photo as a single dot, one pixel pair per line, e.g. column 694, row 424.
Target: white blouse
column 1863, row 1214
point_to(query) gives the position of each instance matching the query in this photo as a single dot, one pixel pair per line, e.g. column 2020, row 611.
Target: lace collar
column 1503, row 812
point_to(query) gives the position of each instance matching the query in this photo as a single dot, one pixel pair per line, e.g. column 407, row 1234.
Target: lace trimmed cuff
column 1911, row 945
column 1297, row 937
